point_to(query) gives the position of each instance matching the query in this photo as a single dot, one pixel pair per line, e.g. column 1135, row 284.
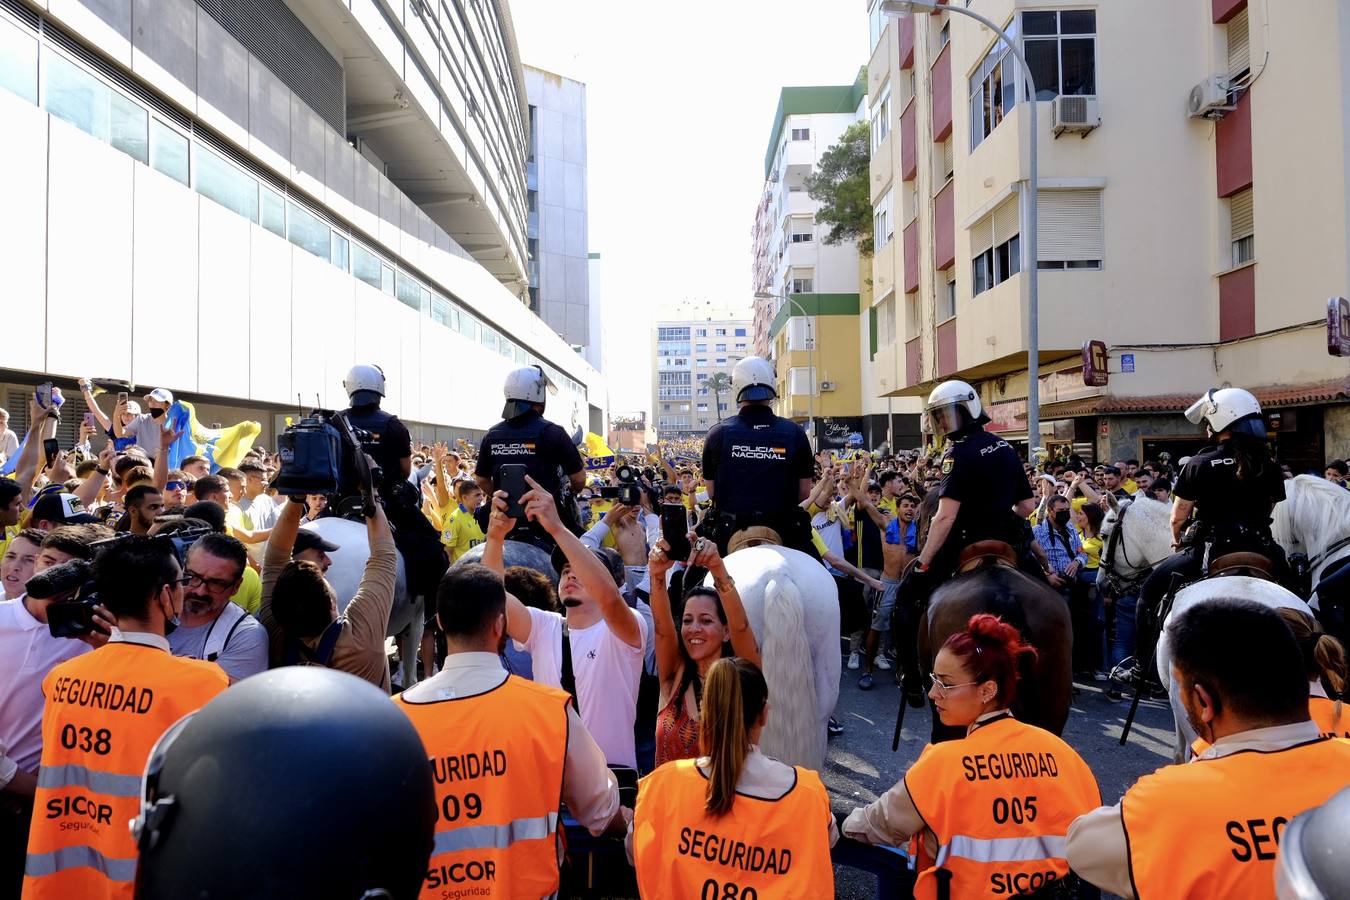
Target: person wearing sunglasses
column 991, row 809
column 213, row 628
column 176, row 490
column 104, row 711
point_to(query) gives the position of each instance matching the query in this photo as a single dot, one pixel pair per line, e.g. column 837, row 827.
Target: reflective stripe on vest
column 480, row 837
column 42, row 864
column 107, row 783
column 987, row 850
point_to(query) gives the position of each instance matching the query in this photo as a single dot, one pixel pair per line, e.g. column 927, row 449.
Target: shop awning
column 1274, row 397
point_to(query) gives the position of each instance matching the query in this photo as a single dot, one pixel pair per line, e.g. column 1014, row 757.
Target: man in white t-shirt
column 606, row 635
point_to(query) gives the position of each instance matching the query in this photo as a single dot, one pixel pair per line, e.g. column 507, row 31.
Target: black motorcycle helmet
column 300, row 783
column 1313, row 864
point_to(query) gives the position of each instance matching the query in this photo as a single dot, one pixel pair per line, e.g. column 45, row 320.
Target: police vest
column 104, row 712
column 999, row 803
column 761, row 849
column 497, row 762
column 377, row 422
column 1226, row 815
column 754, row 473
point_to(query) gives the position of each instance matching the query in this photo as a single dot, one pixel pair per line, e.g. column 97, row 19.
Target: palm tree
column 719, row 384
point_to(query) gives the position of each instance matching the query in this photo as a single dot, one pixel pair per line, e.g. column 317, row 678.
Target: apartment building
column 688, row 353
column 1192, row 199
column 245, row 198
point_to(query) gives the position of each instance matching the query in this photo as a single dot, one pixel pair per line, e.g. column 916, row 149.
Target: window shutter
column 1005, row 220
column 1070, row 225
column 1240, row 211
column 1239, row 45
column 947, row 163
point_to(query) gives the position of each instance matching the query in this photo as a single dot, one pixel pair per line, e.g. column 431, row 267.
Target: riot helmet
column 954, row 406
column 753, row 380
column 1229, row 409
column 1313, row 864
column 524, row 388
column 364, row 384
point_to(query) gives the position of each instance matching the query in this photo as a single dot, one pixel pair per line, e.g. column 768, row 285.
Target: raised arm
column 92, row 486
column 669, row 660
column 94, row 409
column 439, row 453
column 41, row 425
column 166, row 440
column 518, row 625
column 742, row 636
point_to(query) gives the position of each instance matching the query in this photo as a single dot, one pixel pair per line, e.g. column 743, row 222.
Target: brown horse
column 1030, row 605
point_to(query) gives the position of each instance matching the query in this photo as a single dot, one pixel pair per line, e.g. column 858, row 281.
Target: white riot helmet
column 1229, row 409
column 954, row 406
column 753, row 379
column 365, row 380
column 525, row 387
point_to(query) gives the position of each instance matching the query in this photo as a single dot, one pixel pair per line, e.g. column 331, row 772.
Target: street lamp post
column 810, row 359
column 1029, row 261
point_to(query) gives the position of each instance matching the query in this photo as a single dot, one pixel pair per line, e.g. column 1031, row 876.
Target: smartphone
column 511, row 478
column 675, row 530
column 71, row 618
column 44, row 395
column 122, row 397
column 51, row 447
column 90, row 421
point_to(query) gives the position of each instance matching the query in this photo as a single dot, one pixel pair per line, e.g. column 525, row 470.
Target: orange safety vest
column 1323, row 713
column 999, row 802
column 1226, row 814
column 497, row 761
column 761, row 849
column 104, row 712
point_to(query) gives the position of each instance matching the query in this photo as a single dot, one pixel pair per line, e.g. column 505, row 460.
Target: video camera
column 627, row 491
column 324, row 453
column 74, row 616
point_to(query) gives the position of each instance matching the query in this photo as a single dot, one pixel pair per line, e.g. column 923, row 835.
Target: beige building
column 688, row 351
column 1194, row 164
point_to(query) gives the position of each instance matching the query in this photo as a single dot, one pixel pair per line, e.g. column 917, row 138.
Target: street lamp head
column 765, row 295
column 906, row 7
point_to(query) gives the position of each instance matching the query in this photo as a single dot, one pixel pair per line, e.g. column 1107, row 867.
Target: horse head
column 1314, row 515
column 1136, row 536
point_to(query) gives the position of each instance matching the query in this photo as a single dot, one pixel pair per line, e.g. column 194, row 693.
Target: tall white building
column 238, row 200
column 689, row 349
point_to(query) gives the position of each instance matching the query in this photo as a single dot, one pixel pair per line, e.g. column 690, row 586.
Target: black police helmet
column 296, row 783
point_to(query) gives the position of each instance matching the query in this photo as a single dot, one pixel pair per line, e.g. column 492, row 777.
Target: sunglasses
column 175, row 486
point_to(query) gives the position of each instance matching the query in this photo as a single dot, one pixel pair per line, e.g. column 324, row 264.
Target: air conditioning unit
column 827, row 386
column 1074, row 113
column 1209, row 99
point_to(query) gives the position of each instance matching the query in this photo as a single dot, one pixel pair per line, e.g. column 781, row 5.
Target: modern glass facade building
column 239, row 200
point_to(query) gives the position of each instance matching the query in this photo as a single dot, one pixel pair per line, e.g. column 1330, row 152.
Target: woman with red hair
column 990, row 810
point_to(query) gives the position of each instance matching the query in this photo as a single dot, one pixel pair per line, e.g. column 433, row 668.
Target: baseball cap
column 133, row 407
column 613, row 562
column 308, row 539
column 64, row 508
column 161, row 395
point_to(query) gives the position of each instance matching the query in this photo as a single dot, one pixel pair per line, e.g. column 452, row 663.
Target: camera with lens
column 74, row 616
column 324, row 454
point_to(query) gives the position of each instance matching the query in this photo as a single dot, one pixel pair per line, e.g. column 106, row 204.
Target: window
column 1069, row 235
column 720, row 348
column 721, row 332
column 1243, row 227
column 219, row 181
column 338, row 252
column 700, row 348
column 1061, row 51
column 702, row 376
column 19, row 62
column 876, row 23
column 881, row 118
column 721, row 360
column 740, row 332
column 701, row 407
column 995, row 250
column 800, row 333
column 367, row 267
column 740, row 345
column 489, row 338
column 992, row 89
column 168, row 151
column 1239, row 48
column 801, row 380
column 440, row 310
column 673, row 334
column 702, row 332
column 78, row 97
column 801, row 237
column 308, row 231
column 944, row 165
column 883, row 227
column 946, row 306
column 468, row 326
column 886, row 322
column 801, row 134
column 913, row 314
column 945, row 35
column 273, row 212
column 408, row 291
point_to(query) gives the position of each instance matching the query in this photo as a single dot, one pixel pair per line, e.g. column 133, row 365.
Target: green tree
column 840, row 183
column 718, row 384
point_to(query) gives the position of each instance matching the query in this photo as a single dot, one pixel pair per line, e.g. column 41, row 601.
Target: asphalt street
column 860, row 765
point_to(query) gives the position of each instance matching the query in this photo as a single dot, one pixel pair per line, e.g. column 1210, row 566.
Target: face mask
column 156, row 413
column 1062, row 518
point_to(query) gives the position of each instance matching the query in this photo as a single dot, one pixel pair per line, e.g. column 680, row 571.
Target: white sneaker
column 883, row 663
column 854, row 660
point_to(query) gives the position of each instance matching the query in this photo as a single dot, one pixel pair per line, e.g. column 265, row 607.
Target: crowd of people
column 621, row 684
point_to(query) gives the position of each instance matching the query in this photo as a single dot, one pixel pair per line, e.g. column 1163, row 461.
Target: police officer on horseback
column 758, row 465
column 525, row 437
column 1229, row 490
column 387, row 441
column 984, row 495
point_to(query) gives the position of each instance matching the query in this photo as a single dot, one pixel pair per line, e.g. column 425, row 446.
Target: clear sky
column 680, row 99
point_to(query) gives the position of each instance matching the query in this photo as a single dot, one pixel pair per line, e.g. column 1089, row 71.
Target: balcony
column 886, row 368
column 905, row 41
column 913, row 361
column 881, row 168
column 911, row 238
column 883, row 269
column 944, row 227
column 940, row 77
column 909, row 143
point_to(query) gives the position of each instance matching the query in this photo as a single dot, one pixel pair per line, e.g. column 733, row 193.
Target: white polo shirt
column 27, row 653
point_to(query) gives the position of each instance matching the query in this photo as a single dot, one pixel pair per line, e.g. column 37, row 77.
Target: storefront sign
column 1338, row 326
column 1007, row 416
column 839, row 432
column 1094, row 363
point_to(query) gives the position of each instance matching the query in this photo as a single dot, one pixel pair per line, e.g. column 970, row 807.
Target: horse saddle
column 1255, row 565
column 986, row 553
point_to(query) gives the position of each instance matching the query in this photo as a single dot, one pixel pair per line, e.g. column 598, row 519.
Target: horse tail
column 792, row 734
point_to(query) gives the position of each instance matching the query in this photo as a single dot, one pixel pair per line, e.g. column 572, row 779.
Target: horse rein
column 1119, row 584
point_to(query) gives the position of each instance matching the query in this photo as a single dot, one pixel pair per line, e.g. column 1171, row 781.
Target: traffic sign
column 1127, row 362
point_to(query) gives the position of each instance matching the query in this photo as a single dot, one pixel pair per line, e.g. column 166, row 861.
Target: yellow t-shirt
column 887, row 505
column 461, row 533
column 250, row 592
column 1093, row 548
column 235, row 519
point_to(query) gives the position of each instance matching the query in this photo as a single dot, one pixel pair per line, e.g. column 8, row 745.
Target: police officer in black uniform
column 757, row 465
column 984, row 495
column 390, row 446
column 525, row 437
column 1230, row 490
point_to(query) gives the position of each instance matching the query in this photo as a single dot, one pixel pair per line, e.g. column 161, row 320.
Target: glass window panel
column 489, row 338
column 169, row 151
column 1038, row 23
column 308, row 231
column 219, row 181
column 339, row 251
column 440, row 309
column 366, row 266
column 18, row 62
column 424, row 302
column 1080, row 70
column 387, row 280
column 507, row 349
column 1078, row 21
column 75, row 96
column 468, row 326
column 1009, row 77
column 1043, row 60
column 127, row 127
column 273, row 212
column 1014, row 255
column 408, row 291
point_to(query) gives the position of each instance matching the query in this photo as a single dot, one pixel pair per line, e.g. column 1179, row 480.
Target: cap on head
column 954, row 405
column 309, row 539
column 162, row 395
column 365, row 380
column 524, row 388
column 133, row 408
column 753, row 380
column 1229, row 409
column 66, row 509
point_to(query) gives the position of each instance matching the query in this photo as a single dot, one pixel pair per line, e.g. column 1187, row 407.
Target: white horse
column 344, row 575
column 793, row 607
column 1241, row 587
column 1145, row 540
column 1314, row 519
